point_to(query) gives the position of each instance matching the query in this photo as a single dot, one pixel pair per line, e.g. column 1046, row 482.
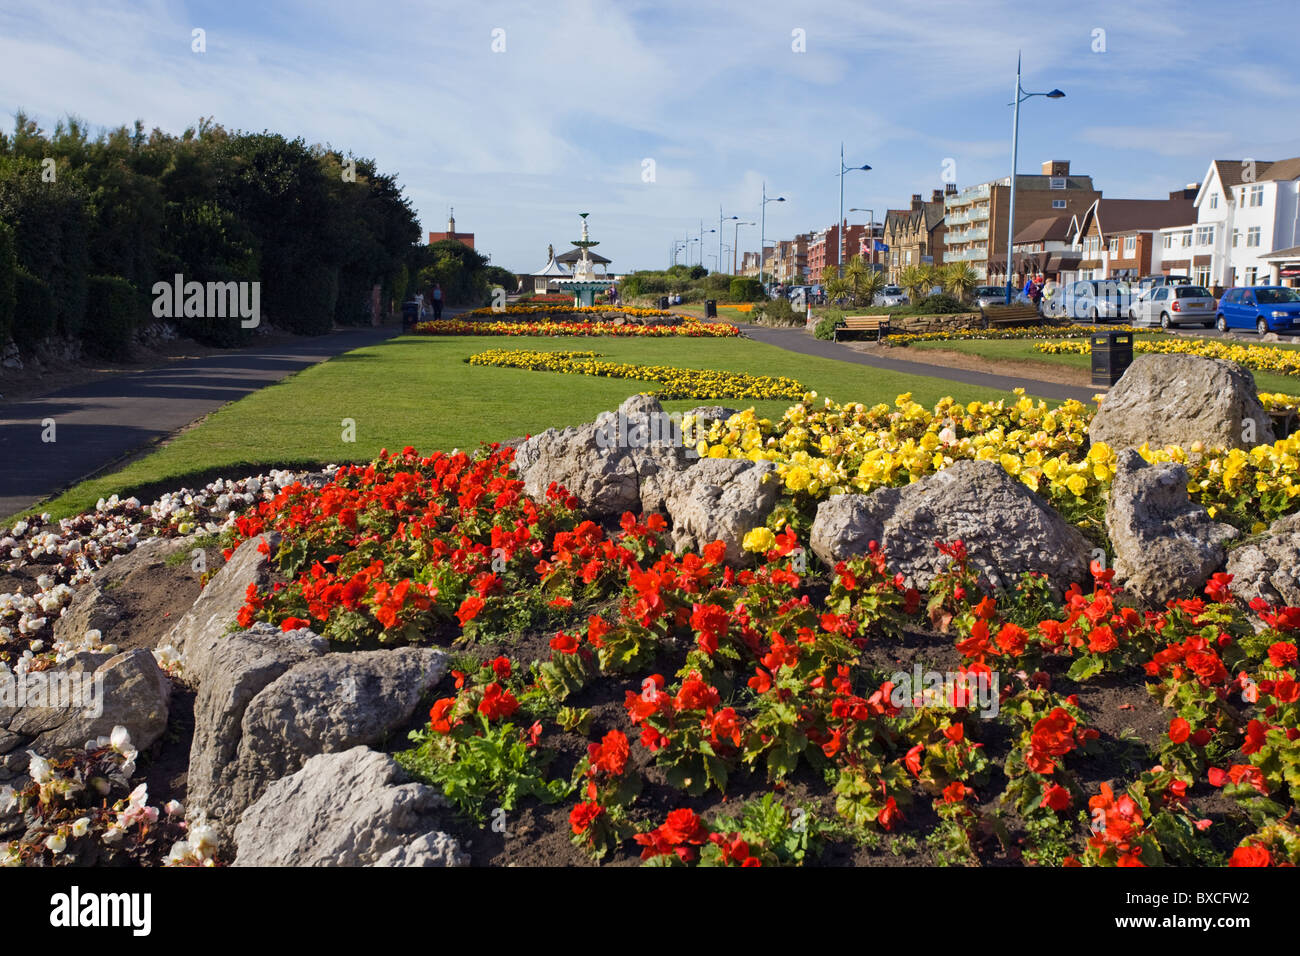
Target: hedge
column 113, row 309
column 34, row 316
column 8, row 271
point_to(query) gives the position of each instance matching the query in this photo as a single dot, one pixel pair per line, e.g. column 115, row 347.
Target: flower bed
column 639, row 703
column 824, row 448
column 1025, row 332
column 596, row 312
column 1260, row 358
column 763, row 687
column 701, row 384
column 687, row 329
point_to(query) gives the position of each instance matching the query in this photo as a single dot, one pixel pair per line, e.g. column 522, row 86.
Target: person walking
column 437, row 301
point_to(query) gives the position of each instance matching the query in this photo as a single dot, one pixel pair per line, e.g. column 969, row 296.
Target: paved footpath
column 102, row 422
column 797, row 340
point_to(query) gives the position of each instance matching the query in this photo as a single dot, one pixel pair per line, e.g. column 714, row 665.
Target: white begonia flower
column 39, row 768
column 56, row 842
column 174, row 808
column 81, row 827
column 120, row 739
column 8, row 799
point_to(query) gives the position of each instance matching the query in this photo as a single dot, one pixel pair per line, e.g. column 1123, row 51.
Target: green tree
column 958, row 279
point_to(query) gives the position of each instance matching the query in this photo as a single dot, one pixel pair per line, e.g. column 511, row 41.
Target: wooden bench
column 1000, row 315
column 862, row 323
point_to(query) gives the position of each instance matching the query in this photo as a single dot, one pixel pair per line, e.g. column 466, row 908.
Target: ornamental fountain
column 584, row 282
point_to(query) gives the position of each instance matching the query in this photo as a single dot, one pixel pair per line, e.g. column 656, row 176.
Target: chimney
column 936, row 196
column 950, row 189
column 1056, row 167
column 916, row 202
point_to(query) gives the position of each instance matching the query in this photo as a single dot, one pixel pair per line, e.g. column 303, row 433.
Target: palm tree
column 864, row 281
column 915, row 279
column 958, row 278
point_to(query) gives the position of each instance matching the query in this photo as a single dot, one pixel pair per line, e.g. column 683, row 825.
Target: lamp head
column 1055, row 95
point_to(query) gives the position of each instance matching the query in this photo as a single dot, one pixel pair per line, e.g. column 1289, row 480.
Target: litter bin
column 663, row 303
column 1112, row 354
column 710, row 308
column 410, row 313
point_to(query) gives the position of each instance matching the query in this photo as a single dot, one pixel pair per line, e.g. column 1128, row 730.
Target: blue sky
column 715, row 94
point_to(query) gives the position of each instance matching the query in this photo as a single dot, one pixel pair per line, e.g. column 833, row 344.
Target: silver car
column 1171, row 305
column 890, row 295
column 987, row 295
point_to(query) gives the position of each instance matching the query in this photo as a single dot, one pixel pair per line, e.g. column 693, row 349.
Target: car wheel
column 1221, row 324
column 1261, row 326
column 1164, row 321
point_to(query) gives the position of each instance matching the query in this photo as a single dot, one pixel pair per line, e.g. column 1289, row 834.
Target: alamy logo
column 62, row 690
column 942, row 689
column 644, row 429
column 208, row 300
column 74, row 909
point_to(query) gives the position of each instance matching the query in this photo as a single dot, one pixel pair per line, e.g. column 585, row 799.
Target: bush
column 113, row 309
column 34, row 317
column 8, row 270
column 746, row 290
column 312, row 313
column 826, row 325
column 939, row 304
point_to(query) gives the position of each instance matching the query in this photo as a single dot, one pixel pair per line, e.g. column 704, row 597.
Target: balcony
column 980, row 214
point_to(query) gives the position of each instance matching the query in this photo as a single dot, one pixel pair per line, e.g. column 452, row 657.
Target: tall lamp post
column 762, row 231
column 839, row 223
column 1021, row 96
column 703, row 232
column 735, row 240
column 871, row 231
column 720, row 219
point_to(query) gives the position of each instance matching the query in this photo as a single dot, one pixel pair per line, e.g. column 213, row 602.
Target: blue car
column 1264, row 308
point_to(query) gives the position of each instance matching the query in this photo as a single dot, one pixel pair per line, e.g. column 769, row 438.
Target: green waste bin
column 1112, row 354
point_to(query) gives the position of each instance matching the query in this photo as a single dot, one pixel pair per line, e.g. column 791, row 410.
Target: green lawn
column 1022, row 350
column 418, row 390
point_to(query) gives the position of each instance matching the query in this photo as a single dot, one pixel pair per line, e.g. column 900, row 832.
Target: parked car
column 890, row 295
column 987, row 295
column 1151, row 282
column 1095, row 300
column 1170, row 305
column 1265, row 308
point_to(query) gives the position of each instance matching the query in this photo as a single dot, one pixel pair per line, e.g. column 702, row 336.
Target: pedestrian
column 419, row 301
column 1036, row 296
column 437, row 301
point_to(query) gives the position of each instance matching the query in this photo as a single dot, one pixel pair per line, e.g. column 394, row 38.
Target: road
column 797, row 340
column 100, row 423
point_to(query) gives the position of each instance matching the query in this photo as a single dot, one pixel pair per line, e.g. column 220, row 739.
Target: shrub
column 8, row 269
column 113, row 309
column 313, row 311
column 746, row 290
column 826, row 325
column 34, row 318
column 939, row 304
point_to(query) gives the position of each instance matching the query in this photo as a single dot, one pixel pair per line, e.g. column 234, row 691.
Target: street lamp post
column 1020, row 97
column 703, row 233
column 762, row 232
column 720, row 219
column 735, row 240
column 871, row 231
column 839, row 223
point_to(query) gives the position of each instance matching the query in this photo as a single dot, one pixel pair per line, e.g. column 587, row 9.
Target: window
column 1252, row 237
column 1203, row 275
column 1186, row 242
column 1256, row 196
column 1057, row 183
column 1130, row 246
column 1204, row 235
column 1058, row 203
column 1236, row 237
column 1167, row 240
column 1214, row 200
column 1251, row 275
column 1114, row 247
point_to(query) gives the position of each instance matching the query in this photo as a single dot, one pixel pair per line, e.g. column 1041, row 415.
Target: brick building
column 824, row 247
column 466, row 238
column 915, row 235
column 976, row 217
column 1121, row 238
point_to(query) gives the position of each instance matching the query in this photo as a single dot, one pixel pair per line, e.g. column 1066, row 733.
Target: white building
column 1246, row 210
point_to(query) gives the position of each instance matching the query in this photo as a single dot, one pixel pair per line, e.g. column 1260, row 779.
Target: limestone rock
column 721, row 499
column 346, row 809
column 1007, row 529
column 1165, row 545
column 1181, row 399
column 1270, row 567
